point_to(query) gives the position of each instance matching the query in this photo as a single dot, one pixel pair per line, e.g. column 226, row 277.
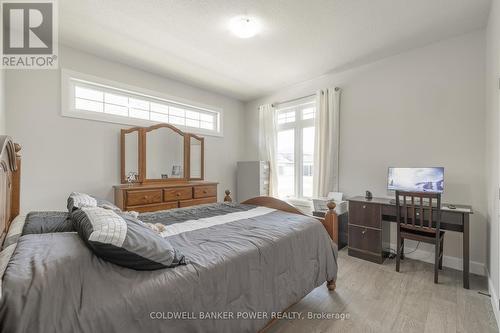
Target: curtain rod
column 298, row 98
column 292, row 100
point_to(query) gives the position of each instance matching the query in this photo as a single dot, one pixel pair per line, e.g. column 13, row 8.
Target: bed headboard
column 10, row 181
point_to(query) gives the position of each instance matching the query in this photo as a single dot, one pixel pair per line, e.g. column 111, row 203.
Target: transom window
column 295, row 149
column 110, row 103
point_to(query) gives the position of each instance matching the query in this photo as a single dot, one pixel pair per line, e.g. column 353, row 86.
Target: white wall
column 492, row 149
column 424, row 107
column 3, row 127
column 62, row 154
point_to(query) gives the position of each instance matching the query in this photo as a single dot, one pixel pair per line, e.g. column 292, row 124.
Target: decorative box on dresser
column 368, row 237
column 161, row 196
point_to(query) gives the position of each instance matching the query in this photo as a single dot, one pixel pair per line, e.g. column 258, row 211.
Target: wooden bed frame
column 10, row 181
column 10, row 190
column 330, row 221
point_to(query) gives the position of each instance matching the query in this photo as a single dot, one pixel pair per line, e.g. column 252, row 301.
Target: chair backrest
column 419, row 210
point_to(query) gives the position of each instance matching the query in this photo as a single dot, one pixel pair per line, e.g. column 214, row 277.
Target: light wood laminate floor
column 378, row 299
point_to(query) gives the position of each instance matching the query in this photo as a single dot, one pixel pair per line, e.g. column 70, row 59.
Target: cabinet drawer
column 194, row 202
column 365, row 239
column 155, row 207
column 145, row 197
column 180, row 193
column 205, row 191
column 365, row 214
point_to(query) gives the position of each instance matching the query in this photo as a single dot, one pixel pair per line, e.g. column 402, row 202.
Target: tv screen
column 416, row 179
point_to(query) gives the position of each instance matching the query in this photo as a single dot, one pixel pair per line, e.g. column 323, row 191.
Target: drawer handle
column 364, row 206
column 363, row 232
column 204, row 191
column 145, row 197
column 178, row 194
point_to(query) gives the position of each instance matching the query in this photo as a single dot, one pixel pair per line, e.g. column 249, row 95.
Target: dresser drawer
column 144, row 197
column 155, row 207
column 365, row 239
column 194, row 202
column 205, row 191
column 364, row 214
column 179, row 193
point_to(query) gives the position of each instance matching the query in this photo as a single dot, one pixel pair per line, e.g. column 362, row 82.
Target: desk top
column 387, row 201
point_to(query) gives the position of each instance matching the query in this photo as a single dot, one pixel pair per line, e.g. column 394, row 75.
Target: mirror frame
column 139, row 154
column 202, row 160
column 143, row 153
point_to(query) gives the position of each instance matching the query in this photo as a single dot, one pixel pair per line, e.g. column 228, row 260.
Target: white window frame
column 298, row 125
column 69, row 78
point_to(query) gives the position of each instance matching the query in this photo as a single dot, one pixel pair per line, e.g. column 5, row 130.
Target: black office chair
column 419, row 220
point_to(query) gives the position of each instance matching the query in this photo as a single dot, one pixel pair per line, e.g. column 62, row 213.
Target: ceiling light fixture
column 244, row 26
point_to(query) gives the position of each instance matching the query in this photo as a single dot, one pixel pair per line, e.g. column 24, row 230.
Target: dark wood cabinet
column 364, row 214
column 368, row 238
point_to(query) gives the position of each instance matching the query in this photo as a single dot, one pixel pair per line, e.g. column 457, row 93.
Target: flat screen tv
column 416, row 179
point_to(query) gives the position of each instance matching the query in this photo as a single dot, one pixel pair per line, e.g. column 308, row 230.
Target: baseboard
column 448, row 261
column 494, row 300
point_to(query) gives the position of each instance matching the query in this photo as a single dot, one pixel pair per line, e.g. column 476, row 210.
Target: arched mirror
column 196, row 156
column 161, row 153
column 130, row 145
column 164, row 153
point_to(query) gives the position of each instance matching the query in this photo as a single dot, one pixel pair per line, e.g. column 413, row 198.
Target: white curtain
column 326, row 142
column 267, row 144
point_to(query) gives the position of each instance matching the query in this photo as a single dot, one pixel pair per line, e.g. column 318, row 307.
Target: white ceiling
column 188, row 40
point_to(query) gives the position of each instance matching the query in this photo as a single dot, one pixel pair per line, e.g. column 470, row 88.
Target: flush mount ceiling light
column 244, row 26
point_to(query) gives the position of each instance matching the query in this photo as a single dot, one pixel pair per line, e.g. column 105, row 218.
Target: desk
column 368, row 235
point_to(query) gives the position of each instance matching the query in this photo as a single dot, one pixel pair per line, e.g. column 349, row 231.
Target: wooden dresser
column 368, row 237
column 161, row 196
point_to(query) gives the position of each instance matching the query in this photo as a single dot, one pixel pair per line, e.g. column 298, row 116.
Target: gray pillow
column 106, row 204
column 123, row 240
column 47, row 222
column 78, row 200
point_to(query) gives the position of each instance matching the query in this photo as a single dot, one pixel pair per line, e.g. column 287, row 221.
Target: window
column 295, row 149
column 92, row 98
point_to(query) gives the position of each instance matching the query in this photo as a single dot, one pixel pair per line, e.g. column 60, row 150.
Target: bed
column 245, row 263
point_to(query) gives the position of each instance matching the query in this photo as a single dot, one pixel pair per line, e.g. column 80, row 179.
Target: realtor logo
column 29, row 34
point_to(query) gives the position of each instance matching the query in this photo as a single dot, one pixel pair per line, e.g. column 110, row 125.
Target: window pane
column 286, row 162
column 116, row 109
column 192, row 115
column 308, row 113
column 206, row 125
column 159, row 108
column 206, row 117
column 90, row 94
column 128, row 104
column 307, row 161
column 177, row 112
column 138, row 104
column 116, row 99
column 286, row 117
column 176, row 120
column 159, row 117
column 83, row 104
column 137, row 113
column 193, row 123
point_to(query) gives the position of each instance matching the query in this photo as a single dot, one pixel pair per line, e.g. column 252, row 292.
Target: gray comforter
column 249, row 267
